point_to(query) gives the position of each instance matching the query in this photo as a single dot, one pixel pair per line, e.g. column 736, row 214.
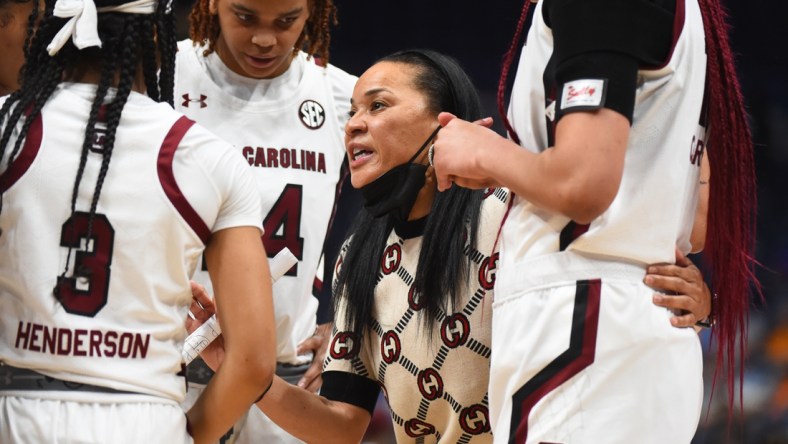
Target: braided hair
column 730, row 238
column 127, row 41
column 315, row 39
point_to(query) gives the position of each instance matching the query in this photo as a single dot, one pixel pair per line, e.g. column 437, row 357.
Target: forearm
column 230, row 393
column 578, row 177
column 239, row 271
column 313, row 418
column 538, row 178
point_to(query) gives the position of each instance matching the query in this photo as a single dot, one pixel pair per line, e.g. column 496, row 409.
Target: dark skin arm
column 302, row 413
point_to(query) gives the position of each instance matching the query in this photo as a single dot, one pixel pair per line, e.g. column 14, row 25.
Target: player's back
column 120, row 325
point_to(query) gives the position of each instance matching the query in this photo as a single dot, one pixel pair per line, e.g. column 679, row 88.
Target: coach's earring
column 431, row 154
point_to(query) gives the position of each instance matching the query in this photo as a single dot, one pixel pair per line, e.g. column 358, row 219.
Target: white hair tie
column 82, row 26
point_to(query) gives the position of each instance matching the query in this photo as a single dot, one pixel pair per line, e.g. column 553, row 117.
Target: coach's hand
column 690, row 300
column 318, row 345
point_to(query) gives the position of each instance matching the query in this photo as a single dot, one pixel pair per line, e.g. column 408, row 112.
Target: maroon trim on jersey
column 25, row 158
column 678, row 26
column 319, row 61
column 167, row 178
column 317, row 286
column 571, row 231
column 579, row 355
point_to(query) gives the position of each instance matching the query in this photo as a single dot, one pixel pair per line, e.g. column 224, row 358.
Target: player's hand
column 691, row 298
column 202, row 308
column 458, row 147
column 318, row 345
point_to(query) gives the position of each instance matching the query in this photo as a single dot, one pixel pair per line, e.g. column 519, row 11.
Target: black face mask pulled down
column 395, row 191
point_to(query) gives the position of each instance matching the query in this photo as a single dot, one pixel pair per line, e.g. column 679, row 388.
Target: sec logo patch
column 311, row 114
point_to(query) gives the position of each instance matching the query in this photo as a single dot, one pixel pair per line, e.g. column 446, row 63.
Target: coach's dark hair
column 127, row 41
column 443, row 269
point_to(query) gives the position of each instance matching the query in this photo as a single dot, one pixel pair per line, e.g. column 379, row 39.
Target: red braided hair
column 732, row 201
column 508, row 58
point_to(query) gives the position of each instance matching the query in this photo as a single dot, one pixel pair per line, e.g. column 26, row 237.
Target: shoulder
column 188, row 51
column 186, row 45
column 341, row 77
column 342, row 84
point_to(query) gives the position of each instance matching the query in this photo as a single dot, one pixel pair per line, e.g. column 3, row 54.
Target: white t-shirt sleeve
column 211, row 167
column 241, row 200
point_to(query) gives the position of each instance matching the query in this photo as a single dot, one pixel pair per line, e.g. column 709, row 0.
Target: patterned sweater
column 435, row 382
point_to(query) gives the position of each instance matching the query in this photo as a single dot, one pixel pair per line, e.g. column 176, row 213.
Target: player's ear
column 213, row 8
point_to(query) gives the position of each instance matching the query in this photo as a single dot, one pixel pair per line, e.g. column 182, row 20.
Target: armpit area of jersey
column 350, row 388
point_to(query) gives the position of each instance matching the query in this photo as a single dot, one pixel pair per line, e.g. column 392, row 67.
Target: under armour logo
column 187, row 100
column 430, row 384
column 390, row 347
column 391, row 258
column 475, row 419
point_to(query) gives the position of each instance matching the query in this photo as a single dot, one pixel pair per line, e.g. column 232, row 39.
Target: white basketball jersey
column 655, row 205
column 294, row 146
column 170, row 184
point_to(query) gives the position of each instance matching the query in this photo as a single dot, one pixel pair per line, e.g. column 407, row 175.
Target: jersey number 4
column 86, row 294
column 283, row 225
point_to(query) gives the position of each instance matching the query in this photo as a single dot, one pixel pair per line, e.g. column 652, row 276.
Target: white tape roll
column 210, row 330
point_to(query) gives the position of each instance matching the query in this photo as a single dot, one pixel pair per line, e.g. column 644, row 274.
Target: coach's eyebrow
column 374, row 91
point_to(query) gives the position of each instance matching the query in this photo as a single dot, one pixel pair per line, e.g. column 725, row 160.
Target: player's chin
column 261, row 68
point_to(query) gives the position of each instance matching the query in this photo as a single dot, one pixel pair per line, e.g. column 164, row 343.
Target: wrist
column 710, row 320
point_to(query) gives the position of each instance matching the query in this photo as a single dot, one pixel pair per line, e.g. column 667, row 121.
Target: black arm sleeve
column 610, row 40
column 351, row 389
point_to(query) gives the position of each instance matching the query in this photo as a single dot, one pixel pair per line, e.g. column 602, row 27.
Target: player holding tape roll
column 210, row 330
column 108, row 200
